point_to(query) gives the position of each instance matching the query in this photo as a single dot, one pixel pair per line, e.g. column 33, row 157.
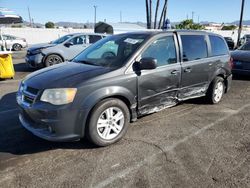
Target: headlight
column 59, row 96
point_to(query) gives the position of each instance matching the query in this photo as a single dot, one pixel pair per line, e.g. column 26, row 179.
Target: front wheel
column 16, row 47
column 216, row 90
column 53, row 60
column 108, row 122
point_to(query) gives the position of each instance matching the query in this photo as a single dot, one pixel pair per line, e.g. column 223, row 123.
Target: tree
column 149, row 14
column 156, row 13
column 229, row 27
column 49, row 25
column 164, row 10
column 189, row 24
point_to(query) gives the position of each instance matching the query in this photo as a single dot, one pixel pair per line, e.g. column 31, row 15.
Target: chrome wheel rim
column 110, row 123
column 54, row 60
column 218, row 91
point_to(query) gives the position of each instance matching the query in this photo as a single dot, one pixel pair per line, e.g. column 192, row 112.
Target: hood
column 42, row 45
column 64, row 75
column 241, row 55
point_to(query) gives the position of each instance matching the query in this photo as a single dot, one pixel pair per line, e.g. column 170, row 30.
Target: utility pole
column 30, row 17
column 193, row 15
column 241, row 19
column 95, row 7
column 120, row 16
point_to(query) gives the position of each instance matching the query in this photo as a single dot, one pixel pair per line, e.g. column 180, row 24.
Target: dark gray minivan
column 121, row 78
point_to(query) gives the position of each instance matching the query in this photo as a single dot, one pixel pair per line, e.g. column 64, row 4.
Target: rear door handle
column 174, row 72
column 187, row 70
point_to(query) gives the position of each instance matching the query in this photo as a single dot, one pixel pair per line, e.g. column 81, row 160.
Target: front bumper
column 34, row 61
column 52, row 123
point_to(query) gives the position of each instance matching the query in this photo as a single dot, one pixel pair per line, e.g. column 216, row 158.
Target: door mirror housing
column 148, row 63
column 68, row 44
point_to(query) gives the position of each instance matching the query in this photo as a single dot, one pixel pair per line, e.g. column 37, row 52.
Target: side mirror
column 147, row 63
column 68, row 44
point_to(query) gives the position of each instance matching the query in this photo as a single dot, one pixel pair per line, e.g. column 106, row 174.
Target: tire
column 52, row 59
column 16, row 47
column 105, row 129
column 216, row 90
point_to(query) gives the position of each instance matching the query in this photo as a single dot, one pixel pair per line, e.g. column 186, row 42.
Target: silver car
column 13, row 42
column 60, row 50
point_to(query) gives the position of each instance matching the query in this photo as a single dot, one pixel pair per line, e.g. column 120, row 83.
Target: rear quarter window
column 218, row 46
column 194, row 47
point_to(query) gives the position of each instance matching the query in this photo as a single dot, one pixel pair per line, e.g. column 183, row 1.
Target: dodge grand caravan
column 121, row 78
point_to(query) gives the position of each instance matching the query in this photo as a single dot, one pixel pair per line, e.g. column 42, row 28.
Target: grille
column 29, row 95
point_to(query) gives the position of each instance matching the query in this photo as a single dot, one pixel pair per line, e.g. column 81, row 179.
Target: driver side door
column 78, row 45
column 158, row 88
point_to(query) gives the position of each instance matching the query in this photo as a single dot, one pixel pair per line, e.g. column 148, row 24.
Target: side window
column 218, row 46
column 78, row 40
column 194, row 47
column 163, row 50
column 94, row 38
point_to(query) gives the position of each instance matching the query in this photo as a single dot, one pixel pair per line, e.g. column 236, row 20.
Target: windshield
column 62, row 39
column 113, row 51
column 245, row 46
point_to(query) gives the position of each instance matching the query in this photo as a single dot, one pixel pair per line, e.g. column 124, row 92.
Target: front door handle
column 187, row 70
column 174, row 72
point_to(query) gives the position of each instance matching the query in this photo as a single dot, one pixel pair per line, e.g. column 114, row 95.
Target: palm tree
column 162, row 13
column 147, row 14
column 150, row 13
column 156, row 12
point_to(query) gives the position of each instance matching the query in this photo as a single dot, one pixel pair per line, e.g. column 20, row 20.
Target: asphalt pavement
column 193, row 144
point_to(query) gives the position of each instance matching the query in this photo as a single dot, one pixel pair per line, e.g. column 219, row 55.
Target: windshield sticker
column 131, row 41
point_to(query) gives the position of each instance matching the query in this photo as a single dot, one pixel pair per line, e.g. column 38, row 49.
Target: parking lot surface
column 191, row 145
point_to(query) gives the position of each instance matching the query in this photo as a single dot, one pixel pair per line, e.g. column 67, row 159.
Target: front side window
column 163, row 50
column 78, row 40
column 194, row 47
column 112, row 51
column 218, row 46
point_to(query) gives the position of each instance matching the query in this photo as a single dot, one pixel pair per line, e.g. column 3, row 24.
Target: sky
column 82, row 11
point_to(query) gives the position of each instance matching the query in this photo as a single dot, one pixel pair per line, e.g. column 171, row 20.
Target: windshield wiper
column 86, row 62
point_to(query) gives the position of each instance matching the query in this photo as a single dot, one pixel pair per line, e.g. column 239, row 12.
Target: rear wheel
column 216, row 90
column 108, row 122
column 53, row 60
column 16, row 47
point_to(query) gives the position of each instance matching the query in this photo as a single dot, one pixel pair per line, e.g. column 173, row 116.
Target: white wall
column 233, row 34
column 41, row 35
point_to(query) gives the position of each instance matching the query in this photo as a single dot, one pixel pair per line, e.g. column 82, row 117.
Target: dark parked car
column 241, row 60
column 121, row 78
column 230, row 42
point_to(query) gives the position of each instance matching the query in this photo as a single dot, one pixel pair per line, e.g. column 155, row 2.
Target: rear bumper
column 241, row 72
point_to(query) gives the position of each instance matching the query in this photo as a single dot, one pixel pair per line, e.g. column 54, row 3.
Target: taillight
column 231, row 63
